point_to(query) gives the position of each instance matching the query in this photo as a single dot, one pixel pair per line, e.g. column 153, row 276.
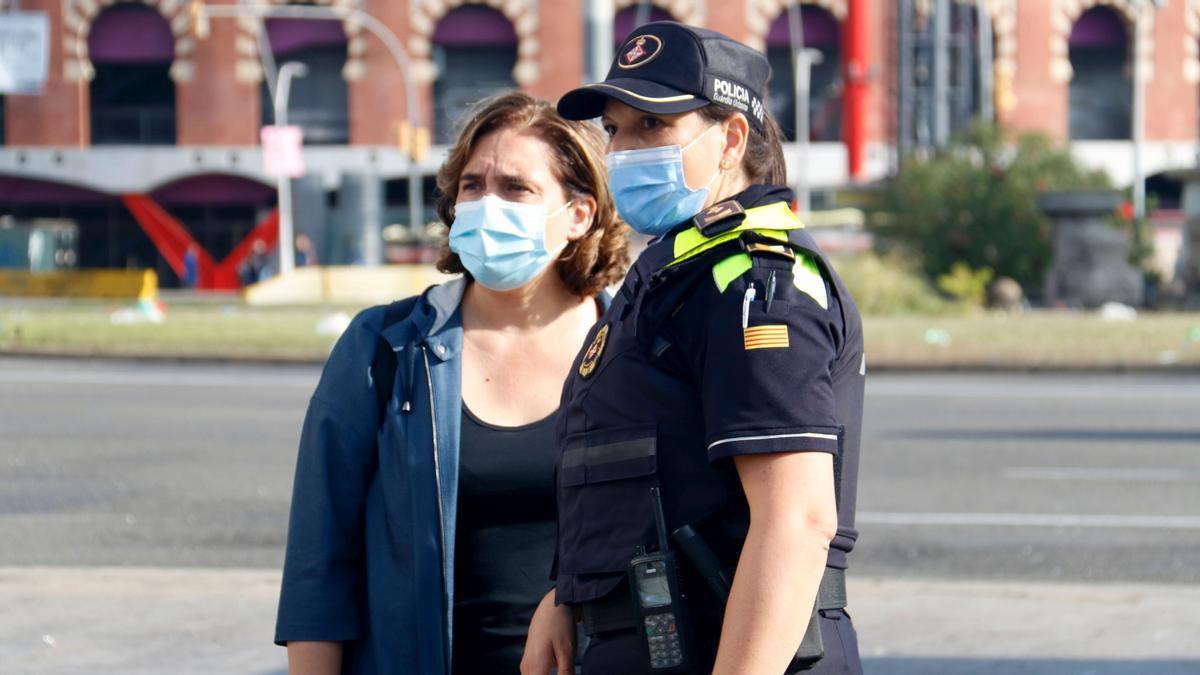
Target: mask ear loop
column 554, row 255
column 693, row 142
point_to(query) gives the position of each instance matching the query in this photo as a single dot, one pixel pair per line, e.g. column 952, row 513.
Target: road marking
column 1093, row 474
column 160, row 379
column 1032, row 520
column 1032, row 388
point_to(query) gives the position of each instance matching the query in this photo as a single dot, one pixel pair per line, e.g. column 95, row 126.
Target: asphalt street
column 987, row 484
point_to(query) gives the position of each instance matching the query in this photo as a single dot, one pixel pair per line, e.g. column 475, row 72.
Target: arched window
column 1101, row 91
column 822, row 32
column 630, row 18
column 132, row 95
column 475, row 50
column 318, row 102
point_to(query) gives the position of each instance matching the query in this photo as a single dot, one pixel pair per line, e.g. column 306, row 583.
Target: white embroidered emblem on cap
column 643, row 51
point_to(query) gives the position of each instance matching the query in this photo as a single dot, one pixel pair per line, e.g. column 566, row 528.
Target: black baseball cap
column 668, row 67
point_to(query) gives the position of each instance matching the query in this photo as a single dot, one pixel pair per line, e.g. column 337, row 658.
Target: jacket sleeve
column 321, row 597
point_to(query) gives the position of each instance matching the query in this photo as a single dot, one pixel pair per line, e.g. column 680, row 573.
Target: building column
column 562, row 46
column 217, row 104
column 58, row 115
column 1173, row 100
column 1042, row 102
column 377, row 95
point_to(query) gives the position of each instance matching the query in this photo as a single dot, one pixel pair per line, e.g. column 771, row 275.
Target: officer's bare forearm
column 792, row 521
column 314, row 658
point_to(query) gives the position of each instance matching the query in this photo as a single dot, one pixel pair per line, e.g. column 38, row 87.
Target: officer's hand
column 551, row 641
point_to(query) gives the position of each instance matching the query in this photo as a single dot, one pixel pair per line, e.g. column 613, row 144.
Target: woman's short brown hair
column 597, row 259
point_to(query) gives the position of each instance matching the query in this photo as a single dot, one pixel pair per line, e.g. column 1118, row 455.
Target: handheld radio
column 660, row 602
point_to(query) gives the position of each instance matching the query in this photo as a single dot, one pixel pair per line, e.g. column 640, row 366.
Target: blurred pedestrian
column 191, row 267
column 306, row 252
column 254, row 267
column 422, row 526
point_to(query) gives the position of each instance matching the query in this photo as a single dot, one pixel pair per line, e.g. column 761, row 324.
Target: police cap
column 666, row 67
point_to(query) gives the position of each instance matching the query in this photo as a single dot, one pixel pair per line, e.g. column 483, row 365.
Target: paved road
column 1088, row 478
column 1015, row 498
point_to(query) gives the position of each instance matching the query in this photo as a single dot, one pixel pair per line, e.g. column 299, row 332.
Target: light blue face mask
column 502, row 244
column 650, row 190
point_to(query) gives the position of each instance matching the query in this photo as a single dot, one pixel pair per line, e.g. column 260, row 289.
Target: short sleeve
column 765, row 366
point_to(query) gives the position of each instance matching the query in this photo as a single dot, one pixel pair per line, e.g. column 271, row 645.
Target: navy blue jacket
column 370, row 549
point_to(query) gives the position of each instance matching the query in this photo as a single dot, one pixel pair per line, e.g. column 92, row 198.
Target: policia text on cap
column 708, row 446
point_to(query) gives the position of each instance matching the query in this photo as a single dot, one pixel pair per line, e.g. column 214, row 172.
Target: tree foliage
column 974, row 203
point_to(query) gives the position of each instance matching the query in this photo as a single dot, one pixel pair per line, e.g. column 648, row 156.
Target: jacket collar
column 436, row 320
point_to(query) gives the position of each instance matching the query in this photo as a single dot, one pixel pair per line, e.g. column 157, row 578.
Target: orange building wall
column 57, row 115
column 213, row 107
column 1041, row 103
column 378, row 101
column 1171, row 101
column 563, row 45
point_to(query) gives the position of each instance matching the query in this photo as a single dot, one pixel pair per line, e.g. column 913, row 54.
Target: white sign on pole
column 282, row 155
column 24, row 52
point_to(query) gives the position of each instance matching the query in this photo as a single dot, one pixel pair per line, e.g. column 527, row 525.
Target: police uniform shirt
column 711, row 350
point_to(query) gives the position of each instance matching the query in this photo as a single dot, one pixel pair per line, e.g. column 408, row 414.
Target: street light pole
column 287, row 239
column 803, row 60
column 416, row 208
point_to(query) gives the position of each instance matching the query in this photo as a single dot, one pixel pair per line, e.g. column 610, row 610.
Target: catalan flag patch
column 765, row 337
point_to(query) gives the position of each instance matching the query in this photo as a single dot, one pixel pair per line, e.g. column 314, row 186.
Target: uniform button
column 441, row 350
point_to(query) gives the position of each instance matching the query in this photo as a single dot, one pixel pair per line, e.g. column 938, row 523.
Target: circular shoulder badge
column 640, row 51
column 594, row 351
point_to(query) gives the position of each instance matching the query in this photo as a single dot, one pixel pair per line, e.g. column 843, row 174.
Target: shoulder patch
column 594, row 352
column 807, row 278
column 771, row 250
column 720, row 218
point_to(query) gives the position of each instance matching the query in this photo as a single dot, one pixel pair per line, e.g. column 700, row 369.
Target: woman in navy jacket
column 390, row 515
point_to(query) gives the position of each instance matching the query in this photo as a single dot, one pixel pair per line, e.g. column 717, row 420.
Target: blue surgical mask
column 650, row 190
column 502, row 244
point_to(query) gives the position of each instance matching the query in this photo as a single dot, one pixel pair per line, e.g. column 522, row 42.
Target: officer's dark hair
column 587, row 265
column 763, row 162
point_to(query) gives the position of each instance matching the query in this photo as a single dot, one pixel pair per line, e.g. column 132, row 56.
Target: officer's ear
column 581, row 213
column 737, row 134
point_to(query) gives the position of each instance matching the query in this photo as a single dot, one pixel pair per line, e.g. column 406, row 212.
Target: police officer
column 723, row 387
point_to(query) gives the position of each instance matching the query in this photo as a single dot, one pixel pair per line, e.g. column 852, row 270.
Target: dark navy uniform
column 731, row 336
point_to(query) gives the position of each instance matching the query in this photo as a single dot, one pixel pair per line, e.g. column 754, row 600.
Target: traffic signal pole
column 857, row 74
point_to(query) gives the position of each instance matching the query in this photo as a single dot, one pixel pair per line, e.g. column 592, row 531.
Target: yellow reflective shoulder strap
column 808, row 279
column 774, row 220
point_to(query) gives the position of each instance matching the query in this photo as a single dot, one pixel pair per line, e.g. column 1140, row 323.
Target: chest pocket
column 605, row 505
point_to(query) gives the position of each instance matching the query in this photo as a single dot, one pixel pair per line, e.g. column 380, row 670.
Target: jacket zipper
column 437, row 471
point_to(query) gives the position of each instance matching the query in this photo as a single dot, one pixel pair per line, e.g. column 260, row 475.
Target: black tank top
column 505, row 538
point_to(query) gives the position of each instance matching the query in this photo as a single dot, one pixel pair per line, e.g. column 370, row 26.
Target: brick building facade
column 197, row 154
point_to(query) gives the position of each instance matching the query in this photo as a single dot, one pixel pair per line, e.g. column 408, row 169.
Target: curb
column 897, row 367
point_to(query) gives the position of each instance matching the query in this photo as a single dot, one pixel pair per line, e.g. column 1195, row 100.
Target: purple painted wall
column 131, row 34
column 821, row 29
column 214, row 190
column 1099, row 27
column 26, row 191
column 624, row 20
column 474, row 26
column 203, row 190
column 288, row 36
